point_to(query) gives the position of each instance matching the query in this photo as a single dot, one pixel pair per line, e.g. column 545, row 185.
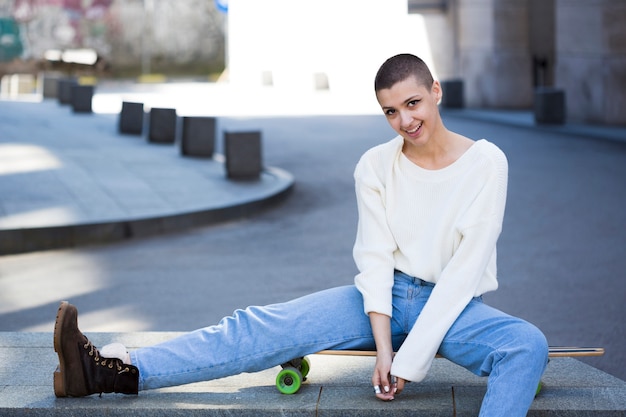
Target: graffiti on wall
column 60, row 24
column 122, row 32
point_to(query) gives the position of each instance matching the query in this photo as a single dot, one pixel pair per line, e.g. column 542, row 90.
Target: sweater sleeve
column 480, row 228
column 374, row 244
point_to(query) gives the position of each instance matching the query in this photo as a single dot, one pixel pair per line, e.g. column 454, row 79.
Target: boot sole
column 59, row 373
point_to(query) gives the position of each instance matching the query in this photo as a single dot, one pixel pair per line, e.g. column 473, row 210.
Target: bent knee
column 532, row 343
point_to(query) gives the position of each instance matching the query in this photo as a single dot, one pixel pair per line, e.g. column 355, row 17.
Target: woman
column 431, row 204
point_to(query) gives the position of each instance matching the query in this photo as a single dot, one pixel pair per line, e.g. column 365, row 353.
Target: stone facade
column 591, row 59
column 494, row 53
column 507, row 48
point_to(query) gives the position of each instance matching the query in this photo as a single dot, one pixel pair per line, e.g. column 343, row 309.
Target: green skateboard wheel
column 289, row 380
column 305, row 367
column 539, row 386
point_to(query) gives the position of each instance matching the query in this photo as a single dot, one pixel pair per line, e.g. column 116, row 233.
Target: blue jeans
column 487, row 342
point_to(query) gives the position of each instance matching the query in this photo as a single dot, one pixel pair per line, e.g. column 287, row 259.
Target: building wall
column 542, row 41
column 493, row 38
column 591, row 59
column 508, row 47
column 123, row 32
column 172, row 33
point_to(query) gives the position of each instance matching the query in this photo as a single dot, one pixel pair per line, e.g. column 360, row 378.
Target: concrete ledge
column 275, row 185
column 336, row 386
column 525, row 119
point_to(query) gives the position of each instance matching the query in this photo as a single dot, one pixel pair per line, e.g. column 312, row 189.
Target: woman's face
column 411, row 109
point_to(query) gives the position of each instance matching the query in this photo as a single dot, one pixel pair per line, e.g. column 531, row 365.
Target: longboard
column 294, row 373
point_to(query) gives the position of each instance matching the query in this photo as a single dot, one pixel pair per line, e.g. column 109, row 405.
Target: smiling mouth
column 413, row 131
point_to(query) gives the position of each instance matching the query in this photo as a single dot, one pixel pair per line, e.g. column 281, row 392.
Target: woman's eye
column 413, row 103
column 389, row 112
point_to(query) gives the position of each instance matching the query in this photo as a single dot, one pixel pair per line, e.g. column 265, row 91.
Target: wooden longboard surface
column 554, row 352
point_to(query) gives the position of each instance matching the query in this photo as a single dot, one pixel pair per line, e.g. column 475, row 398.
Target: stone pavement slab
column 336, row 385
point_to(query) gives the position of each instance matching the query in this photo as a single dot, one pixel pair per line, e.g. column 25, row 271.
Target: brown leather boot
column 82, row 370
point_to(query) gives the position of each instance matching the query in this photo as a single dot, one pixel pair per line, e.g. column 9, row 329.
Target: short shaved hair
column 400, row 67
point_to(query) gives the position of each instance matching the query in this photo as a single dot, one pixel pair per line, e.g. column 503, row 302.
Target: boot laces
column 105, row 362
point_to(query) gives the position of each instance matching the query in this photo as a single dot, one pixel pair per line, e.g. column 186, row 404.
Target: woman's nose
column 406, row 118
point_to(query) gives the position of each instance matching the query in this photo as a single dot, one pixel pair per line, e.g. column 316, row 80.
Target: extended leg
column 258, row 338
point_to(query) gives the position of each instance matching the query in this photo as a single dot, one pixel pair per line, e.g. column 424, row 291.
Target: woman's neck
column 441, row 150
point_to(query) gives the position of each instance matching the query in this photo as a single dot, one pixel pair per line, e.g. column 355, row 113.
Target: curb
column 15, row 241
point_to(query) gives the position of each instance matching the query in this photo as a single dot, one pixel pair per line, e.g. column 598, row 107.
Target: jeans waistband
column 413, row 280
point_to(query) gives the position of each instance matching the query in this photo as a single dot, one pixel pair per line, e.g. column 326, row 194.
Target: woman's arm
column 373, row 255
column 374, row 245
column 381, row 328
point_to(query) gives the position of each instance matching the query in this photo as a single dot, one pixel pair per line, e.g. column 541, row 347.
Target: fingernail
column 386, row 389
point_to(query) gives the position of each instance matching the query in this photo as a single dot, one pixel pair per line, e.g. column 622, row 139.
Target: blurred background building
column 184, row 37
column 500, row 50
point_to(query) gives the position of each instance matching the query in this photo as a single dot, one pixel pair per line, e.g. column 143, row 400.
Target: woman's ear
column 437, row 91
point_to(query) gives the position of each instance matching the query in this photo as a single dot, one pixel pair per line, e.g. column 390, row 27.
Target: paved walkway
column 69, row 179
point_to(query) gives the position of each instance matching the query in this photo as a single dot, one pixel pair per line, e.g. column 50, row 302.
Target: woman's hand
column 388, row 385
column 399, row 385
column 384, row 384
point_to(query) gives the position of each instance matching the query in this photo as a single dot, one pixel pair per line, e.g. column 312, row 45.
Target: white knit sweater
column 437, row 225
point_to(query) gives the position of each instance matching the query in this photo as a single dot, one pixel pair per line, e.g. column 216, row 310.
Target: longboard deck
column 554, row 352
column 288, row 380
